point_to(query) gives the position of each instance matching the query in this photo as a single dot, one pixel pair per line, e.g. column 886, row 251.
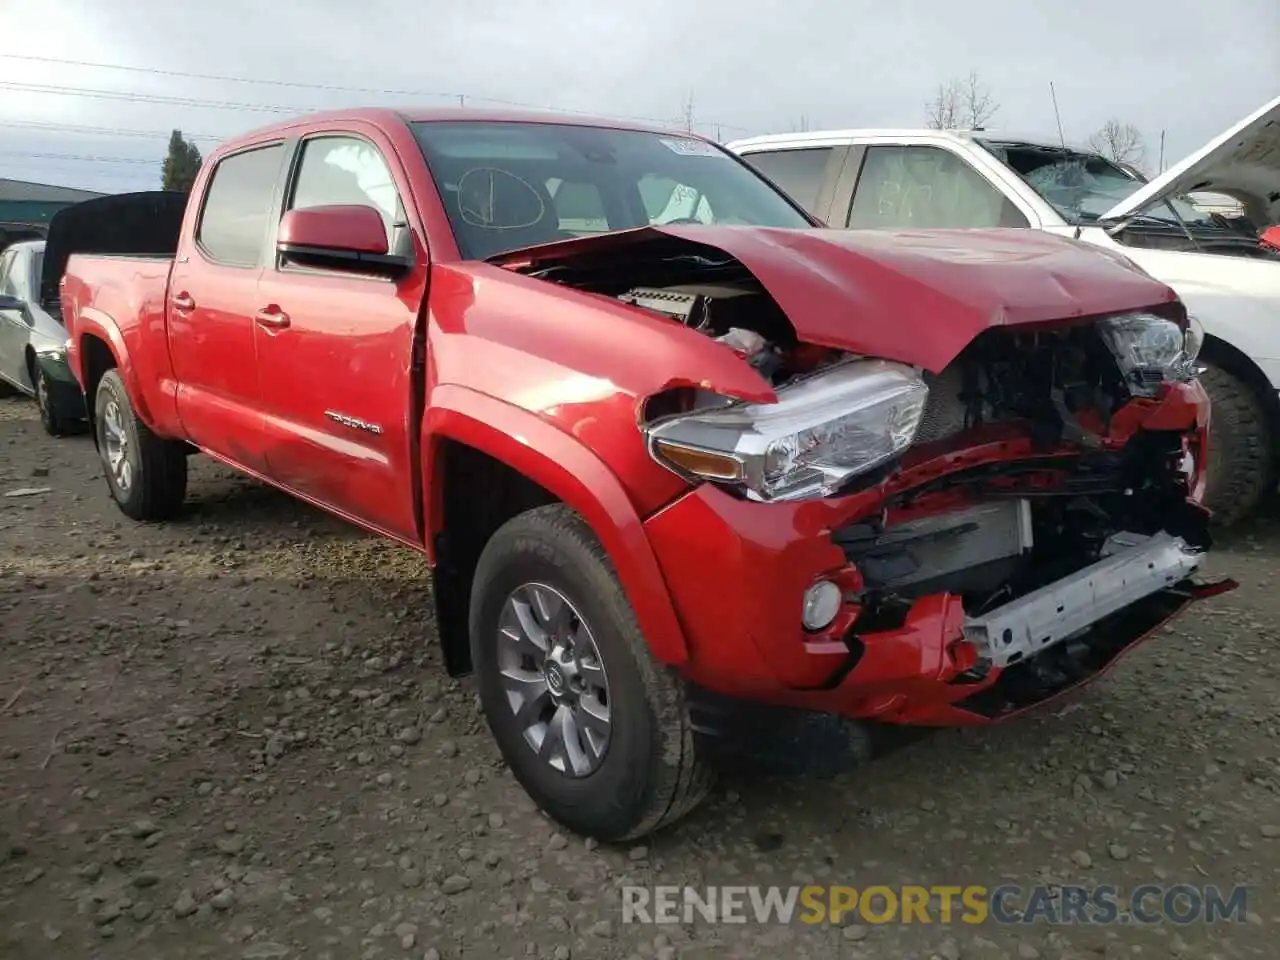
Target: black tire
column 1241, row 460
column 54, row 425
column 650, row 775
column 157, row 479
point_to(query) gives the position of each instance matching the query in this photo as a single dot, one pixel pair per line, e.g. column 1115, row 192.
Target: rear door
column 335, row 357
column 213, row 294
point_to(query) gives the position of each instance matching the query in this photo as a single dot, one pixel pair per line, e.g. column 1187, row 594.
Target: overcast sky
column 750, row 66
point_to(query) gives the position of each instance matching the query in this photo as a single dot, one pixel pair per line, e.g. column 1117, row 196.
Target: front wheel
column 147, row 475
column 1241, row 468
column 593, row 728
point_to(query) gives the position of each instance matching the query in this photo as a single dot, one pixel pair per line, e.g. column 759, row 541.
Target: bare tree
column 962, row 103
column 1121, row 142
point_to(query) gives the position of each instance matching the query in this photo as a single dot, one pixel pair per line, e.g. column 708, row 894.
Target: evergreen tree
column 181, row 165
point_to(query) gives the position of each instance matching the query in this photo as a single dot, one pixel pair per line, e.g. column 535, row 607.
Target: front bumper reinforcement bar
column 1133, row 566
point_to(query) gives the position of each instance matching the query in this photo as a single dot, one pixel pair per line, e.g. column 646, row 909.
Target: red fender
column 93, row 323
column 571, row 472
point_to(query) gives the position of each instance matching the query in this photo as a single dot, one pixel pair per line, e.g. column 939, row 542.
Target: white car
column 863, row 179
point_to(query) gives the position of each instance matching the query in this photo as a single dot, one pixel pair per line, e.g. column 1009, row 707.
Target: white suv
column 866, row 179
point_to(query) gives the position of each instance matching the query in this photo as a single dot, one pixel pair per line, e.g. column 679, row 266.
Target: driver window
column 347, row 170
column 926, row 187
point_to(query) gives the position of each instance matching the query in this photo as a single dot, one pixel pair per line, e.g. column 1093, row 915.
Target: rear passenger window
column 6, row 268
column 798, row 172
column 237, row 204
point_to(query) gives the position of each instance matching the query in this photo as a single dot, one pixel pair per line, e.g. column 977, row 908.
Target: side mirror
column 339, row 236
column 11, row 303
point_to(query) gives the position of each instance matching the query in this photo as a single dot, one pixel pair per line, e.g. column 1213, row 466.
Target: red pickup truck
column 660, row 434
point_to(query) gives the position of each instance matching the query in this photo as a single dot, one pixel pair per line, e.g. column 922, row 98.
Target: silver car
column 33, row 357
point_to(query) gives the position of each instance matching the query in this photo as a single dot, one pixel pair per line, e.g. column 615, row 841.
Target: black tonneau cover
column 143, row 224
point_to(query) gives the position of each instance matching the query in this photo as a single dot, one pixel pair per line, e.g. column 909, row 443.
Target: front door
column 335, row 351
column 212, row 292
column 927, row 187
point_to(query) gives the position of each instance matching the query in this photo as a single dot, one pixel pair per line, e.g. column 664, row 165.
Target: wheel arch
column 96, row 357
column 485, row 461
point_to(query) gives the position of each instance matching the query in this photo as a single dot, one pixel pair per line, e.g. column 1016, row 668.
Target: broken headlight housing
column 1151, row 349
column 822, row 431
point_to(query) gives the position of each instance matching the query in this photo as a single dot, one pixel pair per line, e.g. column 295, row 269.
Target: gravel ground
column 230, row 737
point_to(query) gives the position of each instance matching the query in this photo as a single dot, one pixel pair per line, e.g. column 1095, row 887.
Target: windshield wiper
column 1119, row 227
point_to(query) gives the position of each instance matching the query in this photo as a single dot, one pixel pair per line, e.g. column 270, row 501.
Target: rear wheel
column 54, row 425
column 147, row 475
column 594, row 729
column 1241, row 469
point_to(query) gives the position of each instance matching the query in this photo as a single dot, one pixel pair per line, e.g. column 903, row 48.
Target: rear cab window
column 237, row 206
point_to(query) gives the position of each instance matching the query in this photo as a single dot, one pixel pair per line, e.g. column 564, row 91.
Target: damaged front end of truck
column 978, row 486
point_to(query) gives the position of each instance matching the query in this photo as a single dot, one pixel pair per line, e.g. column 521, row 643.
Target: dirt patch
column 230, row 736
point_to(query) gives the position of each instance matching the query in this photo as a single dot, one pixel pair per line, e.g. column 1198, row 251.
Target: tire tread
column 1241, row 463
column 163, row 477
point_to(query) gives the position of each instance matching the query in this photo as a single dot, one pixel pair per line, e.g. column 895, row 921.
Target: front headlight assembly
column 1151, row 349
column 822, row 431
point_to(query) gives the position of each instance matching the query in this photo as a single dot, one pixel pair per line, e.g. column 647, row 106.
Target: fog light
column 821, row 604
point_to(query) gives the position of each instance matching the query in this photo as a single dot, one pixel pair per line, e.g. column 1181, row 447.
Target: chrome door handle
column 182, row 301
column 273, row 318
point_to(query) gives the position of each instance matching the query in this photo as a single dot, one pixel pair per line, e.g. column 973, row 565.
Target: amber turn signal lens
column 701, row 463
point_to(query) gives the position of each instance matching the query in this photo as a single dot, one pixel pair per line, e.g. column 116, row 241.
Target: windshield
column 37, row 269
column 1084, row 186
column 507, row 185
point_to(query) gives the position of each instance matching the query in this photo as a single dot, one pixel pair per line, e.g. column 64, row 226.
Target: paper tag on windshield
column 691, row 148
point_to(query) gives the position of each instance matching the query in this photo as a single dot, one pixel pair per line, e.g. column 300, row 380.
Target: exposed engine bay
column 719, row 298
column 742, row 317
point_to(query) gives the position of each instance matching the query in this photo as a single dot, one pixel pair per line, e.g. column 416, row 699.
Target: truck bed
column 128, row 292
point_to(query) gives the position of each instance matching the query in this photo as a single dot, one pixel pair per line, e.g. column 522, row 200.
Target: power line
column 102, row 131
column 73, row 156
column 304, row 85
column 135, row 97
column 223, row 78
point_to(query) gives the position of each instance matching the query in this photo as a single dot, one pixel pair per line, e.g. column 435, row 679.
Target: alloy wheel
column 553, row 679
column 115, row 443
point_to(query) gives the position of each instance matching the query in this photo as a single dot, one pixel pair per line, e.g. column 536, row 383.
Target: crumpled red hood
column 916, row 296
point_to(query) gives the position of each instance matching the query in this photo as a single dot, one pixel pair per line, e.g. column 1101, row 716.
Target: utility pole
column 688, row 112
column 462, row 99
column 1162, row 151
